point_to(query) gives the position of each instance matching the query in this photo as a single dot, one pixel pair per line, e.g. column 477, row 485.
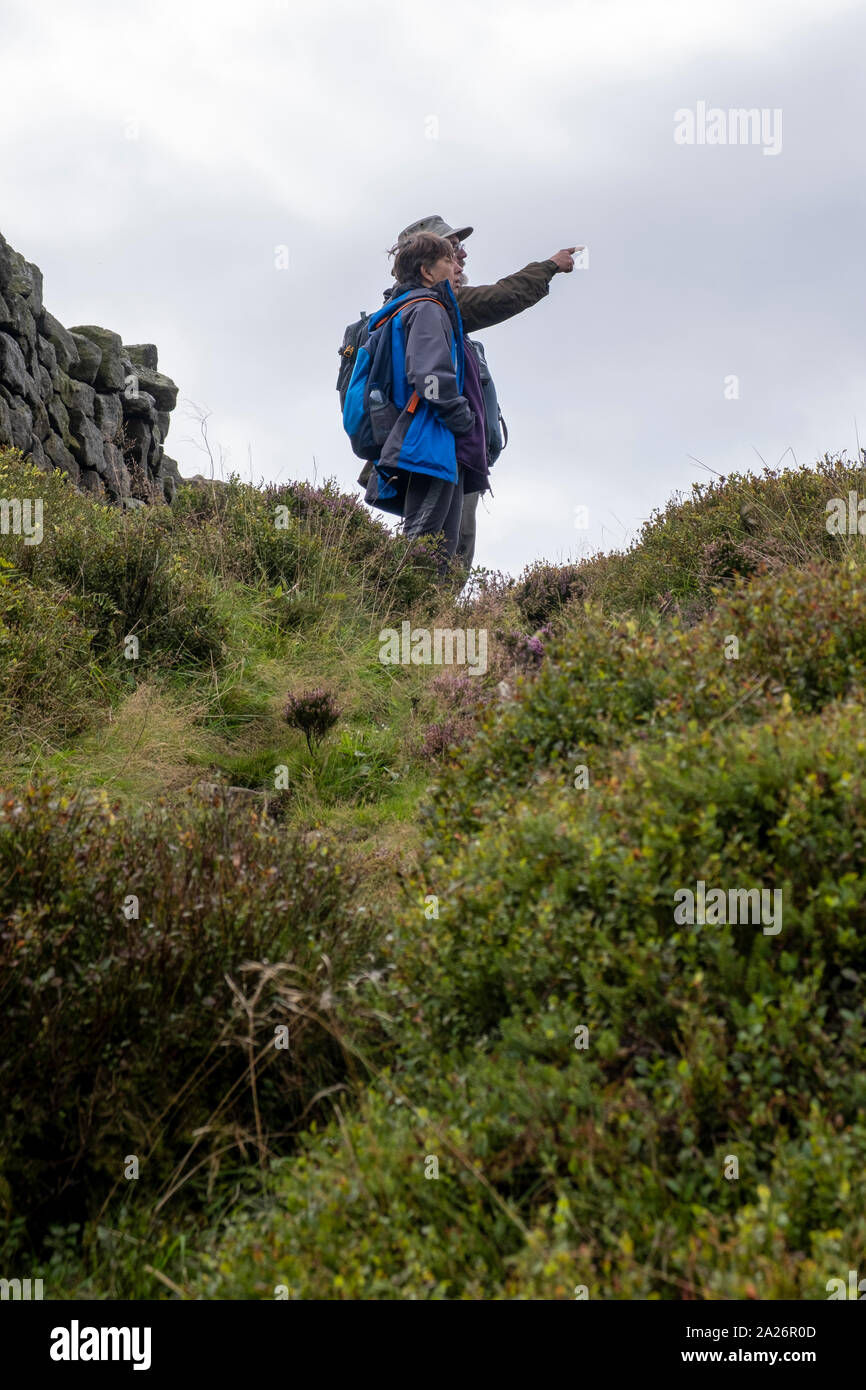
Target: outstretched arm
column 482, row 306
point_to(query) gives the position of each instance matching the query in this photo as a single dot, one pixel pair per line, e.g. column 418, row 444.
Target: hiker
column 437, row 444
column 483, row 306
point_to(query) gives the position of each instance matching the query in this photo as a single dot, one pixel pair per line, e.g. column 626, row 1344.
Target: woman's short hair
column 422, row 249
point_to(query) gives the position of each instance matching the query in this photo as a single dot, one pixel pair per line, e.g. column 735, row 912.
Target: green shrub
column 136, row 583
column 543, row 906
column 48, row 675
column 120, row 1034
column 604, row 1165
column 568, row 878
column 801, row 638
column 314, row 713
column 359, row 1215
column 132, row 572
column 727, row 527
column 311, row 543
column 543, row 590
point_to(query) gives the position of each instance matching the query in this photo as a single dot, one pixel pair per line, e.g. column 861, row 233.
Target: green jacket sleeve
column 481, row 306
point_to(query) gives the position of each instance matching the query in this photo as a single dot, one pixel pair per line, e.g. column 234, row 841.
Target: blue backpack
column 369, row 412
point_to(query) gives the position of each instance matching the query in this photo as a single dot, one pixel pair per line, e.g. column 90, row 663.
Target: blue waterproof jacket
column 428, row 369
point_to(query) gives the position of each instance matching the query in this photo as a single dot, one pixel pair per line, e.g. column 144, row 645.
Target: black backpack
column 354, row 337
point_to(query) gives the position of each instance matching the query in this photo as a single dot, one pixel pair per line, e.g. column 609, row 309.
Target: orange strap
column 422, row 299
column 412, row 403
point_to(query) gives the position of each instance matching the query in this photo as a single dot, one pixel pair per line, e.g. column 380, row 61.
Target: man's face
column 459, row 257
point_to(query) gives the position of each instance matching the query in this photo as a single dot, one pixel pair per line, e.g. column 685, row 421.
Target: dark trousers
column 468, row 526
column 433, row 507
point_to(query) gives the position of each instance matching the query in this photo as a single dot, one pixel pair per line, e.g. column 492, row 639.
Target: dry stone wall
column 79, row 399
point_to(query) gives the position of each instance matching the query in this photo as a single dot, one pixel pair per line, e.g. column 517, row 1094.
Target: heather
column 375, row 969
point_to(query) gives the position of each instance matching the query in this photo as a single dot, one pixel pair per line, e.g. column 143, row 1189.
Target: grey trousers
column 466, row 538
column 433, row 508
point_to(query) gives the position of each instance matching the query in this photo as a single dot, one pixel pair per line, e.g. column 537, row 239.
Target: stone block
column 139, row 403
column 60, row 339
column 142, row 355
column 87, row 442
column 161, row 387
column 60, row 457
column 36, row 454
column 59, row 417
column 108, row 415
column 47, row 354
column 90, row 481
column 89, row 360
column 20, row 425
column 77, row 395
column 115, row 473
column 41, row 423
column 13, row 368
column 103, row 338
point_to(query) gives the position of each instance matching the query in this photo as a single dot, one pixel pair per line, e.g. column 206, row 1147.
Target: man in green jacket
column 483, row 306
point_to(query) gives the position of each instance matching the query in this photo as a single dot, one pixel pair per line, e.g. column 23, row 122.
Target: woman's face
column 443, row 269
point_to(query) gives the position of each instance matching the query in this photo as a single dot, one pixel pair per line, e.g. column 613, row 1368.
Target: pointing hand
column 564, row 260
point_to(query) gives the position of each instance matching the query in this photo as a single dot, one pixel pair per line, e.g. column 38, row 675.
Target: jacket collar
column 443, row 292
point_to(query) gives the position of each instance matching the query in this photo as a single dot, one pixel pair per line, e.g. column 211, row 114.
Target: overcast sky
column 154, row 160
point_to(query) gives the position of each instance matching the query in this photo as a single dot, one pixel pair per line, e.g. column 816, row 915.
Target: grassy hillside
column 409, row 1014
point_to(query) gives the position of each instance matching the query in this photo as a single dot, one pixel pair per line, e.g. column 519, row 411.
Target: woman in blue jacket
column 438, row 442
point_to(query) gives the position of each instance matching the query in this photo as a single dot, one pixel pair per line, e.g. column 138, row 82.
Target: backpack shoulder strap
column 414, row 399
column 419, row 299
